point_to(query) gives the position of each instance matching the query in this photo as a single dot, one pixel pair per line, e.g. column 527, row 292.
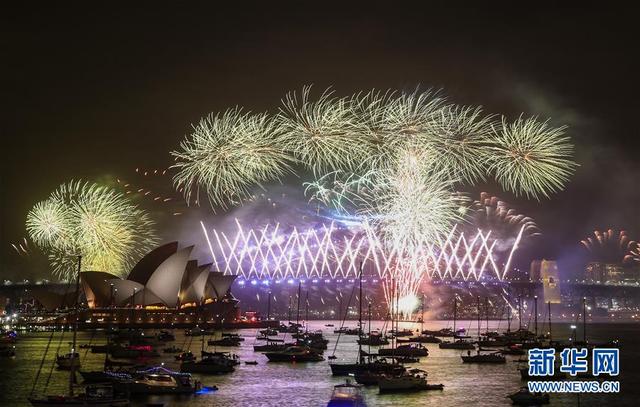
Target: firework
column 228, row 154
column 531, row 158
column 491, row 213
column 612, row 247
column 458, row 140
column 329, row 250
column 93, row 221
column 324, row 135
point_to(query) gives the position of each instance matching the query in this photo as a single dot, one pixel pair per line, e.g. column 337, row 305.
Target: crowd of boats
column 128, row 370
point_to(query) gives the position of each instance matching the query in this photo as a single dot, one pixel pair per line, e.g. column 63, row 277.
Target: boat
column 329, row 325
column 377, row 366
column 163, row 381
column 172, row 349
column 185, row 356
column 524, row 397
column 295, row 353
column 405, row 350
column 400, row 333
column 421, row 339
column 165, row 336
column 348, row 331
column 406, row 382
column 196, row 331
column 224, row 341
column 217, row 363
column 495, row 357
column 272, row 346
column 66, row 361
column 373, row 339
column 250, row 362
column 94, row 396
column 459, row 344
column 269, row 332
column 346, row 395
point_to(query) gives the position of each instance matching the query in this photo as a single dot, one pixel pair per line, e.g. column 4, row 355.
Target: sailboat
column 459, row 344
column 298, row 352
column 378, row 366
column 210, row 362
column 494, row 357
column 94, row 395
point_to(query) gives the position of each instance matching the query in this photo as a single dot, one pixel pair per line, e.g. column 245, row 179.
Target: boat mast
column 306, row 318
column 298, row 312
column 422, row 315
column 369, row 310
column 478, row 300
column 535, row 310
column 486, row 309
column 268, row 305
column 508, row 317
column 519, row 313
column 289, row 310
column 584, row 319
column 549, row 312
column 75, row 331
column 360, row 317
column 455, row 314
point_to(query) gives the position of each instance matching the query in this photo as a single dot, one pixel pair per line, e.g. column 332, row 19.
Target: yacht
column 272, row 346
column 377, row 366
column 165, row 336
column 68, row 360
column 346, row 395
column 495, row 357
column 163, row 381
column 185, row 356
column 94, row 396
column 295, row 354
column 375, row 339
column 224, row 341
column 216, row 363
column 421, row 339
column 406, row 382
column 524, row 397
column 405, row 350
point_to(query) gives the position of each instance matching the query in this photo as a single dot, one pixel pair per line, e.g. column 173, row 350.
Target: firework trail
column 612, row 247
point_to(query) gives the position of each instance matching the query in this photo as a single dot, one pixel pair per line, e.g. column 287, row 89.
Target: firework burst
column 93, row 221
column 612, row 247
column 228, row 154
column 324, row 134
column 531, row 158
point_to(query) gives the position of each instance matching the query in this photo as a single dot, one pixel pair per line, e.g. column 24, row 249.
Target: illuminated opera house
column 164, row 288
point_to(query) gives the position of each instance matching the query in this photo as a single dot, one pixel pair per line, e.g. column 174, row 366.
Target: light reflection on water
column 277, row 384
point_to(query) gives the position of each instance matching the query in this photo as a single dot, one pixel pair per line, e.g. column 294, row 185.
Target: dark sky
column 90, row 93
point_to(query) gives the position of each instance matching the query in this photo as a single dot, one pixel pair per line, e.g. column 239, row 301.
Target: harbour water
column 311, row 384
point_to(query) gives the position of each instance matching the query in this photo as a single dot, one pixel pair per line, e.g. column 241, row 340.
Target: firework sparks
column 229, row 153
column 332, row 251
column 93, row 221
column 324, row 134
column 531, row 157
column 612, row 247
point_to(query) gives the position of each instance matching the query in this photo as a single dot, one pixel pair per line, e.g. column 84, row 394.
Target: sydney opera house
column 165, row 288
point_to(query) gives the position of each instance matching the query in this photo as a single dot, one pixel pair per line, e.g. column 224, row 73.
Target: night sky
column 94, row 93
